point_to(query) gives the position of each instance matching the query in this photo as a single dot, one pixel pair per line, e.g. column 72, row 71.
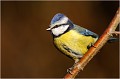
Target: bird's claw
column 69, row 70
column 94, row 46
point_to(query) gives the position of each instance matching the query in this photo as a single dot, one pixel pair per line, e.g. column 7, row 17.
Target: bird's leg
column 69, row 70
column 90, row 45
column 93, row 46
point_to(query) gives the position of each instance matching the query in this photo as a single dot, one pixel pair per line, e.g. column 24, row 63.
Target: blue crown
column 57, row 17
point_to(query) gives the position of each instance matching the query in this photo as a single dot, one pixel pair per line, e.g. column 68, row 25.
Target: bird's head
column 60, row 24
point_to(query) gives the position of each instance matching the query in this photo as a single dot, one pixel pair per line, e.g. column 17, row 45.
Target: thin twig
column 116, row 32
column 97, row 46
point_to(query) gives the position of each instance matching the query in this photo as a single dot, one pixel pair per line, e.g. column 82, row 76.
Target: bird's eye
column 56, row 26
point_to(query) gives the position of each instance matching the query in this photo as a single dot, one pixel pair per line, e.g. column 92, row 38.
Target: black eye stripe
column 58, row 25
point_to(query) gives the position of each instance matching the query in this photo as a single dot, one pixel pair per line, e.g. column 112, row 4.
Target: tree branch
column 115, row 32
column 97, row 46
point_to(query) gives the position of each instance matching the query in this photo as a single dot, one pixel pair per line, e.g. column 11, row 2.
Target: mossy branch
column 97, row 46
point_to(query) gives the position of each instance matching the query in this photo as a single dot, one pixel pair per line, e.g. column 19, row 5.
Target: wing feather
column 85, row 32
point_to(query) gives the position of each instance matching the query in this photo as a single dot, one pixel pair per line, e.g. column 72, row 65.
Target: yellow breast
column 75, row 41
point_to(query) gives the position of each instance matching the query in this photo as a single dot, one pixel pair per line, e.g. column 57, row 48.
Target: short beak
column 48, row 29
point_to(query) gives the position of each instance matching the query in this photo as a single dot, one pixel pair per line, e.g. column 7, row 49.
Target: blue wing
column 85, row 32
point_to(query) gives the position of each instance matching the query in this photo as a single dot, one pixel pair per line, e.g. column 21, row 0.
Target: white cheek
column 60, row 30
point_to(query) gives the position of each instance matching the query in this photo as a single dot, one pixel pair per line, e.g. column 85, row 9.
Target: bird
column 71, row 39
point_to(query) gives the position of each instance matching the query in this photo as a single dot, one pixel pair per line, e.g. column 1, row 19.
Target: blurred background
column 28, row 50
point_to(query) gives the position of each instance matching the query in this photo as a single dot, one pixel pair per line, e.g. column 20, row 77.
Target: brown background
column 27, row 48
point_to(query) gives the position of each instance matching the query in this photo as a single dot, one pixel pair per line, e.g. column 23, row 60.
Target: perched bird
column 71, row 39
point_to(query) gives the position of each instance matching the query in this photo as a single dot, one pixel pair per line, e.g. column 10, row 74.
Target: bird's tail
column 113, row 40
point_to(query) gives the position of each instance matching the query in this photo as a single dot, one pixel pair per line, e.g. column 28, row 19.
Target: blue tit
column 71, row 39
